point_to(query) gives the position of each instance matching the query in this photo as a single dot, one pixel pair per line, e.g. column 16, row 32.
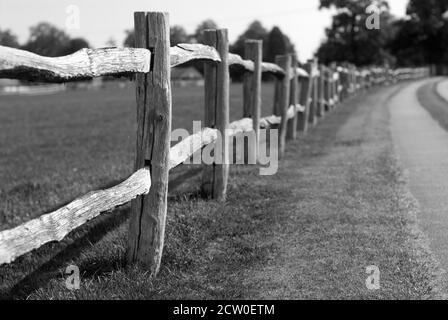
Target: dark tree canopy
column 7, row 38
column 349, row 39
column 74, row 45
column 277, row 43
column 46, row 39
column 207, row 24
column 178, row 35
column 422, row 38
column 129, row 40
column 255, row 31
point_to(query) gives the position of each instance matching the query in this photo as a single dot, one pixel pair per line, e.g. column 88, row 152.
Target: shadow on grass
column 84, row 237
column 229, row 235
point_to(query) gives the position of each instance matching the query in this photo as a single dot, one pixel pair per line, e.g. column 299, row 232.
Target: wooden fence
column 304, row 93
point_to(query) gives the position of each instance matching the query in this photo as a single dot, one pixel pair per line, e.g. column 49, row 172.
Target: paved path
column 422, row 145
column 442, row 89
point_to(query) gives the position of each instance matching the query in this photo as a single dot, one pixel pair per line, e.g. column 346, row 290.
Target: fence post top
column 165, row 13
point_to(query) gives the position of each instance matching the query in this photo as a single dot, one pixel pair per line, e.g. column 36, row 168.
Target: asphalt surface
column 422, row 146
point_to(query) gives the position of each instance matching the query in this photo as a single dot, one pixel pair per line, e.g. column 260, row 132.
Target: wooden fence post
column 283, row 100
column 216, row 76
column 291, row 133
column 347, row 84
column 328, row 81
column 320, row 92
column 148, row 212
column 335, row 85
column 306, row 86
column 315, row 93
column 252, row 90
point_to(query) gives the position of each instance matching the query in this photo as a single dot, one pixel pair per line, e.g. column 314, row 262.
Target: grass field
column 337, row 205
column 57, row 147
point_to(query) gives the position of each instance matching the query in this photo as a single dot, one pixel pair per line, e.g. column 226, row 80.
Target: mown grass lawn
column 54, row 148
column 337, row 205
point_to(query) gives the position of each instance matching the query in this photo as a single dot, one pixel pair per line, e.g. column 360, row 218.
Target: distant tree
column 178, row 35
column 276, row 44
column 422, row 37
column 255, row 31
column 129, row 40
column 111, row 42
column 7, row 38
column 74, row 45
column 46, row 39
column 207, row 24
column 349, row 39
column 407, row 46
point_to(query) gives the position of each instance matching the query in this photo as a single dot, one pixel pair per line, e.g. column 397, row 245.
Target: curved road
column 422, row 146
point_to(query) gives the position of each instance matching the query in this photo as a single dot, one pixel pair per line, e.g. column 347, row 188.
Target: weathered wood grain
column 306, row 86
column 56, row 225
column 154, row 101
column 320, row 91
column 90, row 63
column 273, row 68
column 248, row 65
column 185, row 52
column 284, row 94
column 314, row 74
column 252, row 92
column 291, row 131
column 235, row 59
column 84, row 64
column 217, row 86
column 273, row 120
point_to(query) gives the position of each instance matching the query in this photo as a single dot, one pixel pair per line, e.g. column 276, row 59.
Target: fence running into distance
column 303, row 94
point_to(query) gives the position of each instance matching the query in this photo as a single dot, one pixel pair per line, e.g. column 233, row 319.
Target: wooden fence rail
column 304, row 94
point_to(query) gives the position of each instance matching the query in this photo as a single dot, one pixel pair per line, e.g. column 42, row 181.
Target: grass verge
column 337, row 205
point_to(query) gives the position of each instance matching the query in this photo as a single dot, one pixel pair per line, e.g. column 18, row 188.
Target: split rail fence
column 304, row 94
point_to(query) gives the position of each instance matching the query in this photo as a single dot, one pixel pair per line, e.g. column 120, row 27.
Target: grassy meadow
column 54, row 148
column 337, row 205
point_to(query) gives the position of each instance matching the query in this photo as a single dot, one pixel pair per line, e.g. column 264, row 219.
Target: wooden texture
column 306, row 86
column 148, row 212
column 285, row 63
column 291, row 131
column 185, row 52
column 83, row 64
column 315, row 93
column 56, row 225
column 217, row 81
column 237, row 60
column 248, row 65
column 320, row 92
column 90, row 63
column 252, row 91
column 275, row 69
column 273, row 120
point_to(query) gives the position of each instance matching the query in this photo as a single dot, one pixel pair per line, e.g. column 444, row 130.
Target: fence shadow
column 91, row 233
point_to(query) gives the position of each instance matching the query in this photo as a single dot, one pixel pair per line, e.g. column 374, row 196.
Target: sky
column 102, row 20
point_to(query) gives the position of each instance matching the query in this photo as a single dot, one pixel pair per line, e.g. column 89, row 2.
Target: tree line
column 48, row 40
column 418, row 39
